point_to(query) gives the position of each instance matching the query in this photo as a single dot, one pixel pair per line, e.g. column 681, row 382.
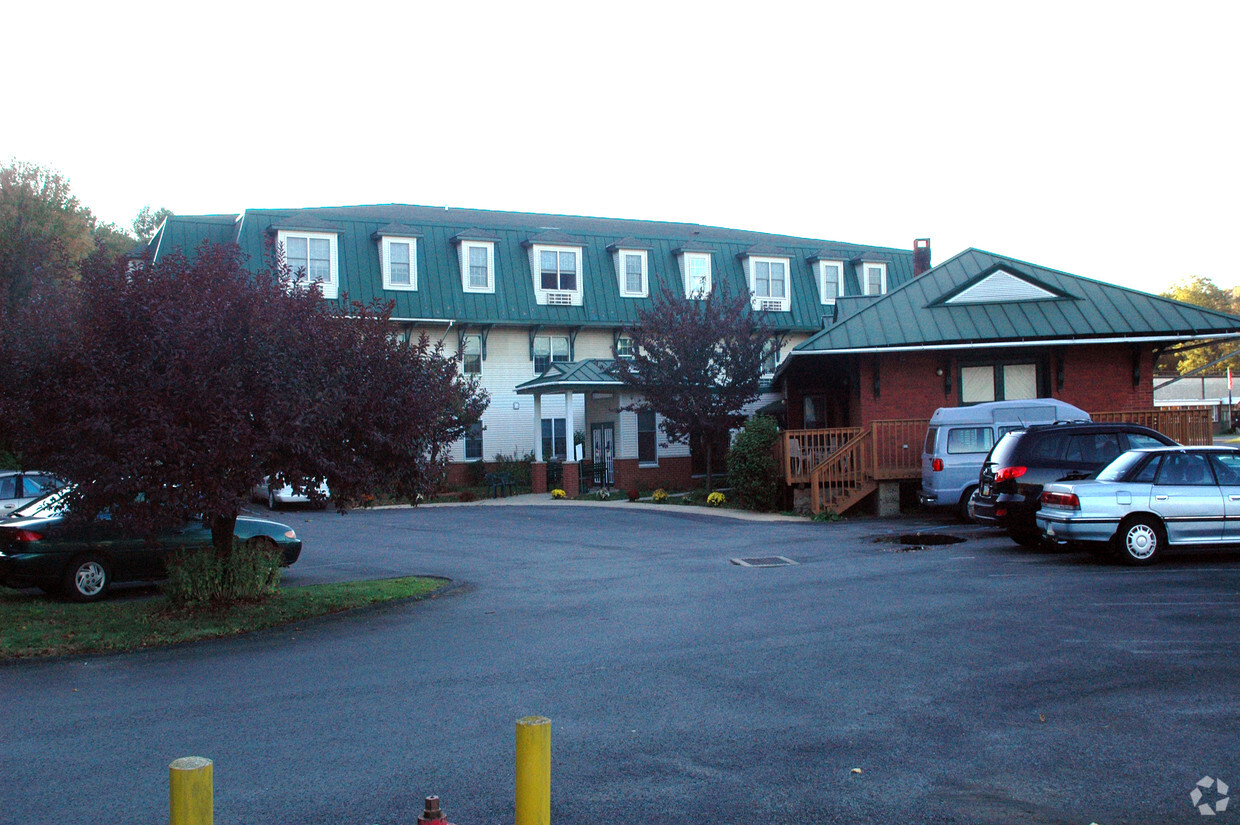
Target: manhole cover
column 910, row 542
column 764, row 561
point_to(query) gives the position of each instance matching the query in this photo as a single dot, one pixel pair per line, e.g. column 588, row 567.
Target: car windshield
column 1119, row 468
column 52, row 504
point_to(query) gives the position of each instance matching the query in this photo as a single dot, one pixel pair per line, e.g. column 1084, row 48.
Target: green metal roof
column 440, row 294
column 589, row 374
column 187, row 233
column 928, row 311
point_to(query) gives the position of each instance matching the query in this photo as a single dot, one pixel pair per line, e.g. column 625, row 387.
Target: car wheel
column 962, row 509
column 1026, row 536
column 87, row 578
column 1140, row 540
column 271, row 499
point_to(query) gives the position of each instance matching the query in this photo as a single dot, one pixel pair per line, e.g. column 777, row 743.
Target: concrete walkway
column 545, row 500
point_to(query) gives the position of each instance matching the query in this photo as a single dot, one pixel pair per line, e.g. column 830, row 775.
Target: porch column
column 571, row 467
column 568, row 427
column 538, row 456
column 538, row 471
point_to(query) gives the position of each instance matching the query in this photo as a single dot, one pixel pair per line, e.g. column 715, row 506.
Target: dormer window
column 768, row 282
column 557, row 273
column 631, row 259
column 476, row 256
column 874, row 278
column 312, row 256
column 399, row 261
column 696, row 269
column 478, row 266
column 830, row 280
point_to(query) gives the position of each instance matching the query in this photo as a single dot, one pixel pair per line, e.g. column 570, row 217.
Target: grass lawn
column 34, row 625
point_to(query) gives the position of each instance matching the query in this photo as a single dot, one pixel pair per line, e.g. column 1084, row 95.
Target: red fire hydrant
column 432, row 815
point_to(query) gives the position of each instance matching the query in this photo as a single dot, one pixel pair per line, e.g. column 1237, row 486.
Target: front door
column 603, row 453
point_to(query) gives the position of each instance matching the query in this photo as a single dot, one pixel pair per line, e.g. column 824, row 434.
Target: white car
column 277, row 497
column 18, row 489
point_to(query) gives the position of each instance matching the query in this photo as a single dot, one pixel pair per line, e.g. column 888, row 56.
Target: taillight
column 27, row 536
column 937, row 465
column 1067, row 501
column 1008, row 473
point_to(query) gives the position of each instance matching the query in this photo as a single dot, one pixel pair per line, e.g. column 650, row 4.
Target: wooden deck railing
column 1187, row 425
column 835, row 482
column 894, row 450
column 803, row 450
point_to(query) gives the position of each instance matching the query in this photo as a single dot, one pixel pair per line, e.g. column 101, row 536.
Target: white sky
column 1097, row 138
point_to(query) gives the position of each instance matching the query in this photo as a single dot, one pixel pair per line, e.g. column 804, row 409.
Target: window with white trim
column 477, row 266
column 770, row 356
column 624, row 347
column 697, row 274
column 830, row 280
column 473, row 443
column 998, row 382
column 311, row 256
column 549, row 349
column 471, row 354
column 631, row 266
column 768, row 283
column 557, row 274
column 554, row 439
column 558, row 269
column 874, row 279
column 647, row 438
column 399, row 261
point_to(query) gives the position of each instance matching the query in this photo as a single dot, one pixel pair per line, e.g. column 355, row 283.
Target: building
column 527, row 295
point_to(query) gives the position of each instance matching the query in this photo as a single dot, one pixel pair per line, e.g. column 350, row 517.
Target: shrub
column 752, row 471
column 517, row 467
column 557, row 494
column 250, row 573
column 660, row 496
column 477, row 473
column 827, row 515
column 633, row 494
column 716, row 500
column 467, row 496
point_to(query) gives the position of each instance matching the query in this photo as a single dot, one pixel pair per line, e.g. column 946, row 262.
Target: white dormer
column 830, row 277
column 769, row 275
column 695, row 271
column 873, row 278
column 556, row 265
column 632, row 264
column 311, row 253
column 398, row 256
column 476, row 257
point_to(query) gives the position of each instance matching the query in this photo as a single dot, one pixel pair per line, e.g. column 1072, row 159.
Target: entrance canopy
column 566, row 378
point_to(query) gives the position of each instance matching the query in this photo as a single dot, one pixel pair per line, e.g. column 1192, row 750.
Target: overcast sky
column 1096, row 138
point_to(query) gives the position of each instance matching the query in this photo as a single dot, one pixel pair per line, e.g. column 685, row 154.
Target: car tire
column 1025, row 536
column 87, row 578
column 272, row 504
column 962, row 509
column 1140, row 540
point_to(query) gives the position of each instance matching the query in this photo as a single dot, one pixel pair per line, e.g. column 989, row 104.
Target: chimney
column 921, row 256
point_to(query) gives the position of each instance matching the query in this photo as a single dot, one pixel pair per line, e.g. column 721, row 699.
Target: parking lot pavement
column 971, row 682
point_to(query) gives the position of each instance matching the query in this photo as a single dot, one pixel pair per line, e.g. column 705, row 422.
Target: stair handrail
column 829, row 473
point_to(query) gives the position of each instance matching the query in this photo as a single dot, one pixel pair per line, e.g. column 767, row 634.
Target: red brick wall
column 1096, row 378
column 675, row 473
column 1099, row 378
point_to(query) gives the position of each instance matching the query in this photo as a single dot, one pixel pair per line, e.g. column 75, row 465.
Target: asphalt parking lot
column 974, row 682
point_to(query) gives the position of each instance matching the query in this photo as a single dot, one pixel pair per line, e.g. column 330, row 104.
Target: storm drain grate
column 764, row 561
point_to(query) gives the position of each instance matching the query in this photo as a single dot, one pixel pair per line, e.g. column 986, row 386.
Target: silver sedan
column 1147, row 500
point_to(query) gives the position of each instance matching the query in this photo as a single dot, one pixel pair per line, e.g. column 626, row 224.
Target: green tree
column 44, row 230
column 1203, row 292
column 752, row 471
column 146, row 221
column 697, row 362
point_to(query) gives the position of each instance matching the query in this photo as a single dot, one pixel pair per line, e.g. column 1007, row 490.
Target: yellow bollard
column 533, row 771
column 191, row 798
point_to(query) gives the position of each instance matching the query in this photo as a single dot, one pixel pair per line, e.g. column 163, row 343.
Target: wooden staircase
column 844, row 478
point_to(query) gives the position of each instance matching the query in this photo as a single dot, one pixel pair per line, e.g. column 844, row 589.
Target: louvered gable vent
column 1001, row 286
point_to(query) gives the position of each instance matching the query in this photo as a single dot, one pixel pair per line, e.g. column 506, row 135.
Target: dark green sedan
column 39, row 549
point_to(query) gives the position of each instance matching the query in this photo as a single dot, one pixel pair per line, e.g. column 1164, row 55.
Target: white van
column 960, row 437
